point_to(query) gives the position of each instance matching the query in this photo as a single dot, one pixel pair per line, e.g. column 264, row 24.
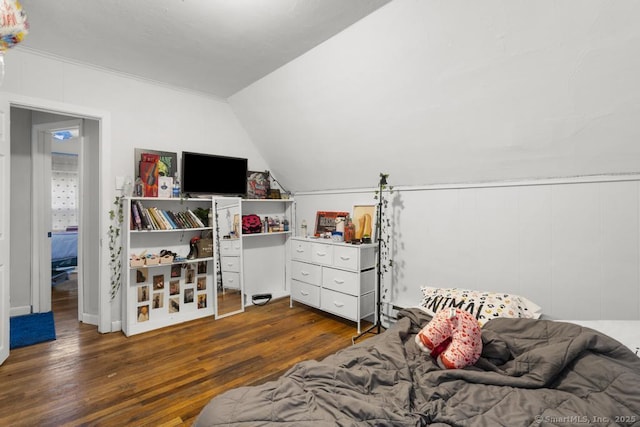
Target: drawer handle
column 304, row 273
column 230, row 280
column 321, row 253
column 304, row 294
column 345, row 258
column 338, row 281
column 229, row 264
column 299, row 250
column 338, row 304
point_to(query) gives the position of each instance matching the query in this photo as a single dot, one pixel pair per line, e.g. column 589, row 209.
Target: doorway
column 72, row 220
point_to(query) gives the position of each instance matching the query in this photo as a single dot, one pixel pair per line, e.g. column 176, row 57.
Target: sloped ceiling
column 456, row 91
column 213, row 46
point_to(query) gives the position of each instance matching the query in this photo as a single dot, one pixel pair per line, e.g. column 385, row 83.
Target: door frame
column 41, row 204
column 105, row 311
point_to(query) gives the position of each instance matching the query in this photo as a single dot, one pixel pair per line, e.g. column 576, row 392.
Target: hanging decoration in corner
column 13, row 28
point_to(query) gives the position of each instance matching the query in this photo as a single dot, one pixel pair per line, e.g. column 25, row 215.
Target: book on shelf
column 154, row 218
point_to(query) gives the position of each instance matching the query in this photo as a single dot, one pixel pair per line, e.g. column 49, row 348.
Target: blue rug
column 31, row 329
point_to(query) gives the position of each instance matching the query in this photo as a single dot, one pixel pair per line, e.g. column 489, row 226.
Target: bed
column 531, row 372
column 64, row 254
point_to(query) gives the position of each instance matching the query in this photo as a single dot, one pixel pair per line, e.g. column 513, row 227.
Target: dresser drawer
column 305, row 293
column 230, row 246
column 301, row 250
column 345, row 257
column 230, row 263
column 341, row 281
column 304, row 272
column 338, row 303
column 231, row 280
column 321, row 254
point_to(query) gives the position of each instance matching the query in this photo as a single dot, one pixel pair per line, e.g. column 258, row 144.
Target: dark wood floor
column 160, row 378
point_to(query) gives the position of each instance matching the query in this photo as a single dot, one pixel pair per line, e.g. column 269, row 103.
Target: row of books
column 153, row 218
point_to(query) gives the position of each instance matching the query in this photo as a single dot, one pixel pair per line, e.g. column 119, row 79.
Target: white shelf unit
column 266, row 255
column 338, row 278
column 187, row 289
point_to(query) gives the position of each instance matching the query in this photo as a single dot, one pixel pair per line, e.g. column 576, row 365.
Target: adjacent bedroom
column 320, row 212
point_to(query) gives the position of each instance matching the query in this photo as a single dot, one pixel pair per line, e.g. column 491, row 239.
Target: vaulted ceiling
column 213, row 46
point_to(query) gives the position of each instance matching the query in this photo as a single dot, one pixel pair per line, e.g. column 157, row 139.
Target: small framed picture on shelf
column 326, row 222
column 364, row 220
column 258, row 185
column 202, row 283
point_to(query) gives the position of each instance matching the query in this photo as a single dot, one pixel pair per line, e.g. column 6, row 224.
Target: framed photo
column 158, row 300
column 176, row 270
column 364, row 218
column 143, row 293
column 326, row 221
column 158, row 282
column 142, row 274
column 258, row 185
column 150, row 165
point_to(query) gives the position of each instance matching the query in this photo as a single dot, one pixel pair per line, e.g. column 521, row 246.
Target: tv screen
column 212, row 174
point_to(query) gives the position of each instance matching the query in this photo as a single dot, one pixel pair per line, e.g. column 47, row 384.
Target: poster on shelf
column 150, row 165
column 258, row 185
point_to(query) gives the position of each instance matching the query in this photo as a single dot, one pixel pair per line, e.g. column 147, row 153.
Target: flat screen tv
column 204, row 174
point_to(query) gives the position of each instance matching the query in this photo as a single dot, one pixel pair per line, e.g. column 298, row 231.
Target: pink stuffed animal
column 452, row 337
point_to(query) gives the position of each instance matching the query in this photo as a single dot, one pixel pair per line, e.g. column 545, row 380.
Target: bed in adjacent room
column 64, row 254
column 531, row 372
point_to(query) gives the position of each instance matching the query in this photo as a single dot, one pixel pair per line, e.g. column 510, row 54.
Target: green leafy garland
column 115, row 245
column 383, row 226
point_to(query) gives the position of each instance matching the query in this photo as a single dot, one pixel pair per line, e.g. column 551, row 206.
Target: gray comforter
column 532, row 372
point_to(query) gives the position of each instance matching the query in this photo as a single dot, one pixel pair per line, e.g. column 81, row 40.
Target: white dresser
column 230, row 250
column 335, row 277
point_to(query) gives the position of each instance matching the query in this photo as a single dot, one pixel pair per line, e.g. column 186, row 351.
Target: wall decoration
column 190, row 275
column 326, row 222
column 158, row 300
column 174, row 287
column 364, row 220
column 150, row 165
column 202, row 301
column 142, row 274
column 176, row 270
column 202, row 267
column 174, row 305
column 143, row 313
column 143, row 293
column 258, row 185
column 202, row 283
column 188, row 295
column 158, row 282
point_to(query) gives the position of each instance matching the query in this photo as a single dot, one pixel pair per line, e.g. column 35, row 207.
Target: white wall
column 571, row 246
column 142, row 114
column 456, row 91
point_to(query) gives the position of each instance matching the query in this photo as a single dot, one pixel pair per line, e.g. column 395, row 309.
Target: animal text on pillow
column 484, row 306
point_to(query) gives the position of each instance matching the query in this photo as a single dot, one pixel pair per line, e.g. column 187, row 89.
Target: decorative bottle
column 175, row 192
